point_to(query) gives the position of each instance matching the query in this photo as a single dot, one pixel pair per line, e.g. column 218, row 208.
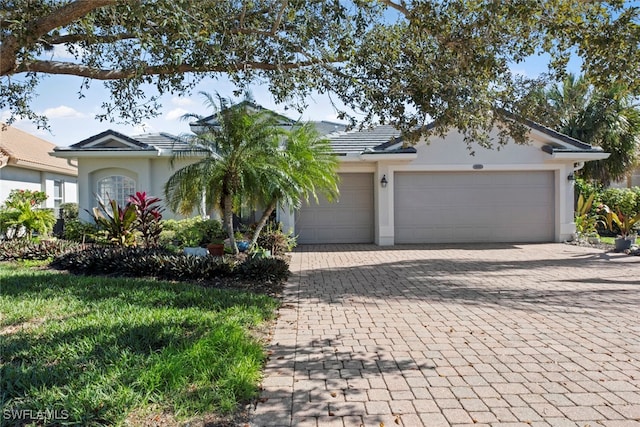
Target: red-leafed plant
column 149, row 214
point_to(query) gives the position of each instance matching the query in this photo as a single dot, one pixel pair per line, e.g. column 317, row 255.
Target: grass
column 608, row 240
column 97, row 349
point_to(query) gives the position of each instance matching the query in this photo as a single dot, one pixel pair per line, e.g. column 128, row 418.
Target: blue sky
column 72, row 119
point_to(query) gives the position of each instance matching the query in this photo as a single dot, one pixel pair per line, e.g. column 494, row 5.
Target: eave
column 574, row 155
column 375, row 157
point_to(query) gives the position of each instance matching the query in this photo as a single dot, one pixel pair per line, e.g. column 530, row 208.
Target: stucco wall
column 150, row 175
column 13, row 178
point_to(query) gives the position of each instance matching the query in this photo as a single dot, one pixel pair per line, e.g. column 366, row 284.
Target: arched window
column 116, row 187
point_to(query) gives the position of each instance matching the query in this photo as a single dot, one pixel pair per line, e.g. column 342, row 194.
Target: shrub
column 274, row 239
column 620, row 199
column 20, row 217
column 163, row 264
column 79, row 231
column 69, row 211
column 11, row 250
column 267, row 269
column 143, row 262
column 191, row 232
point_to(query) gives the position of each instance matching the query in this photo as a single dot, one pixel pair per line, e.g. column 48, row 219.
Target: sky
column 72, row 119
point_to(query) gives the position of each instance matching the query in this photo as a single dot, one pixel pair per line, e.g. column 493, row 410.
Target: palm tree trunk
column 263, row 220
column 228, row 220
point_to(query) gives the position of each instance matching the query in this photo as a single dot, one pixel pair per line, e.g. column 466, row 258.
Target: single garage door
column 474, row 207
column 348, row 220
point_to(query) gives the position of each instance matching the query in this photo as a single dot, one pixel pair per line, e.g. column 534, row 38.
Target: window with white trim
column 58, row 192
column 116, row 187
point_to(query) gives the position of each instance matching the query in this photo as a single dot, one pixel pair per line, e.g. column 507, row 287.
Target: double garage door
column 434, row 207
column 474, row 207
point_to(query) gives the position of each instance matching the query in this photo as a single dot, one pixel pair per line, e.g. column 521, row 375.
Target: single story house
column 25, row 164
column 433, row 192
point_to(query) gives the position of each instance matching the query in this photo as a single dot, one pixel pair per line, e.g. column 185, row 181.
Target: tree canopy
column 605, row 118
column 402, row 62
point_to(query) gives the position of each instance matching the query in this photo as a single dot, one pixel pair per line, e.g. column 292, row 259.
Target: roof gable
column 110, row 139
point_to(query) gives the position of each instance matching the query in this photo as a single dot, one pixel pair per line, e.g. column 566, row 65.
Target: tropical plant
column 585, row 220
column 306, row 166
column 21, row 217
column 117, row 223
column 606, row 118
column 624, row 222
column 236, row 154
column 274, row 239
column 149, row 216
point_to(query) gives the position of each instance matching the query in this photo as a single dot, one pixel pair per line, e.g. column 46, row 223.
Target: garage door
column 474, row 207
column 349, row 220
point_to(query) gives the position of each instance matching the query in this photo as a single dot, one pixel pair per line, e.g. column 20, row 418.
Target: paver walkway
column 522, row 335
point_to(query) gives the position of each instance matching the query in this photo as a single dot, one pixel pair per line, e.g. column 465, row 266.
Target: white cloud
column 175, row 114
column 61, row 52
column 63, row 112
column 181, row 102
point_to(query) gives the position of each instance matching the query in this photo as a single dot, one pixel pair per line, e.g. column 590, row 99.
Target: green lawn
column 97, row 349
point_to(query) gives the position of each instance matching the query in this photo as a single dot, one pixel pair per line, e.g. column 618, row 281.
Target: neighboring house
column 632, row 180
column 434, row 192
column 26, row 164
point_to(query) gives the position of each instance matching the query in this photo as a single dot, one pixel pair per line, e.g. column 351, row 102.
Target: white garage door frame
column 461, row 215
column 349, row 220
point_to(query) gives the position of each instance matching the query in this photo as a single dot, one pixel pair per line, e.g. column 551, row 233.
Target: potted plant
column 625, row 224
column 216, row 247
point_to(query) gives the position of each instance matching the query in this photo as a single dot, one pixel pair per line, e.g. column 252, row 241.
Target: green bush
column 621, row 199
column 69, row 211
column 20, row 216
column 191, row 232
column 11, row 250
column 79, row 231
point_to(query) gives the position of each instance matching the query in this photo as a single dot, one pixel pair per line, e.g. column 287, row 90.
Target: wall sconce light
column 571, row 177
column 383, row 181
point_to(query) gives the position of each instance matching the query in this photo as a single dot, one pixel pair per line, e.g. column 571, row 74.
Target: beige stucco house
column 26, row 164
column 433, row 192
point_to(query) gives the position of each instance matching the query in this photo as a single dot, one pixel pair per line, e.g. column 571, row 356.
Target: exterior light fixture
column 571, row 177
column 383, row 181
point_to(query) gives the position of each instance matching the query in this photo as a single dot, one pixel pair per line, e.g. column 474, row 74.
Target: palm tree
column 236, row 152
column 245, row 156
column 607, row 119
column 306, row 166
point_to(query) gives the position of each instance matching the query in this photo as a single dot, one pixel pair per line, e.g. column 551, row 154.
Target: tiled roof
column 325, row 128
column 25, row 150
column 358, row 141
column 161, row 141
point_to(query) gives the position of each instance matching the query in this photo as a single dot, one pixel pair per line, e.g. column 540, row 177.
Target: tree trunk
column 263, row 220
column 228, row 220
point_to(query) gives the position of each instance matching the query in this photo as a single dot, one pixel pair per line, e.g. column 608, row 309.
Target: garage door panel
column 474, row 207
column 348, row 220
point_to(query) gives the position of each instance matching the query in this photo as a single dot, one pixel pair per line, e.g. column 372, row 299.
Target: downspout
column 577, row 166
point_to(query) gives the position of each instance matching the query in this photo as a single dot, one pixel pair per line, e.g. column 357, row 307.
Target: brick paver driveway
column 541, row 335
